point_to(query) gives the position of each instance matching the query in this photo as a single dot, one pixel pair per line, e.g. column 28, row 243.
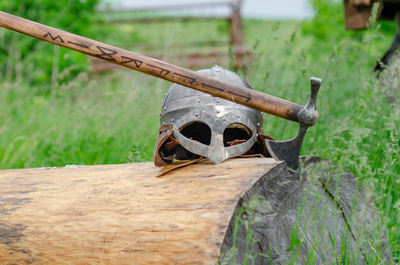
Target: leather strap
column 167, row 147
column 162, row 154
column 261, row 141
column 176, row 165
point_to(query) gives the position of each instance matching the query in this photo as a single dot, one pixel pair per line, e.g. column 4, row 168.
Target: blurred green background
column 54, row 111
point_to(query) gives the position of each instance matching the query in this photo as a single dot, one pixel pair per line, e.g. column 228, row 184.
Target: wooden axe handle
column 238, row 94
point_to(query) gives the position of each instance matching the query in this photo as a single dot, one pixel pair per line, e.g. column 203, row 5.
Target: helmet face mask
column 208, row 126
column 213, row 145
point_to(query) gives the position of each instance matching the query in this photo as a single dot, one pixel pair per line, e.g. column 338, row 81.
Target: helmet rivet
column 198, row 101
column 172, row 120
column 256, row 134
column 218, row 100
column 218, row 111
column 238, row 116
column 165, row 108
column 217, row 69
column 196, row 114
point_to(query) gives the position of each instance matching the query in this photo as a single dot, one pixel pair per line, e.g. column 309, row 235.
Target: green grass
column 113, row 118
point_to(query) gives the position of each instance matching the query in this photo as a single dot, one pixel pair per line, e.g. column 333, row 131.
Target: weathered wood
column 238, row 94
column 121, row 214
column 235, row 22
column 163, row 7
column 240, row 209
column 159, row 19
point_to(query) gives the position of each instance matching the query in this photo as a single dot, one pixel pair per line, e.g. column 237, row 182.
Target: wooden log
column 242, row 209
column 121, row 214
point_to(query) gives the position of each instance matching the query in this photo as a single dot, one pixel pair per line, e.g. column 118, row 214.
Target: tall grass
column 113, row 118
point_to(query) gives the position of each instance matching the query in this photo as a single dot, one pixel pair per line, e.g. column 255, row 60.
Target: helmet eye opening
column 197, row 131
column 236, row 133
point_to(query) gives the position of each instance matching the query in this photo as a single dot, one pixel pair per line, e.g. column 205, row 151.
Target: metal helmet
column 195, row 124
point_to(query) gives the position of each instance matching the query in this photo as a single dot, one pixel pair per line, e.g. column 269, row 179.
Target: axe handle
column 238, row 94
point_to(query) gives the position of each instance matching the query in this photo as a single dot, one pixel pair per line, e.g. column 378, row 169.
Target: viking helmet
column 195, row 124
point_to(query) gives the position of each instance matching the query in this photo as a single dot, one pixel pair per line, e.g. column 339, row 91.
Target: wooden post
column 242, row 209
column 235, row 22
column 236, row 36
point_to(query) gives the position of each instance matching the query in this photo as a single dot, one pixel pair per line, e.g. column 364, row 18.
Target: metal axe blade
column 289, row 151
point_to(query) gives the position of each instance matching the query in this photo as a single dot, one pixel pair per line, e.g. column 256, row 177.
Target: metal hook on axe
column 287, row 150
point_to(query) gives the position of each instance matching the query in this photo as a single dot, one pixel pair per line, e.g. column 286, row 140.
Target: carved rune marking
column 48, row 34
column 138, row 63
column 212, row 87
column 187, row 79
column 248, row 97
column 78, row 44
column 106, row 53
column 162, row 70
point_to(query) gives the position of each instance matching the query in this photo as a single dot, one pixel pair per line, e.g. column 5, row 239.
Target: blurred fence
column 203, row 52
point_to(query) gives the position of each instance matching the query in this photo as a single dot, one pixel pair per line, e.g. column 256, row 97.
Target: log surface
column 121, row 214
column 252, row 211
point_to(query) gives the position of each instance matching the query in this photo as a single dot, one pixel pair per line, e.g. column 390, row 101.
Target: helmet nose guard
column 216, row 151
column 203, row 125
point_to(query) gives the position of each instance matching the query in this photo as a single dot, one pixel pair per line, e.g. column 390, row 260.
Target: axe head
column 289, row 151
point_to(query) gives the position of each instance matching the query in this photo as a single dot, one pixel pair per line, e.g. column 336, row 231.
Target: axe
column 288, row 151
